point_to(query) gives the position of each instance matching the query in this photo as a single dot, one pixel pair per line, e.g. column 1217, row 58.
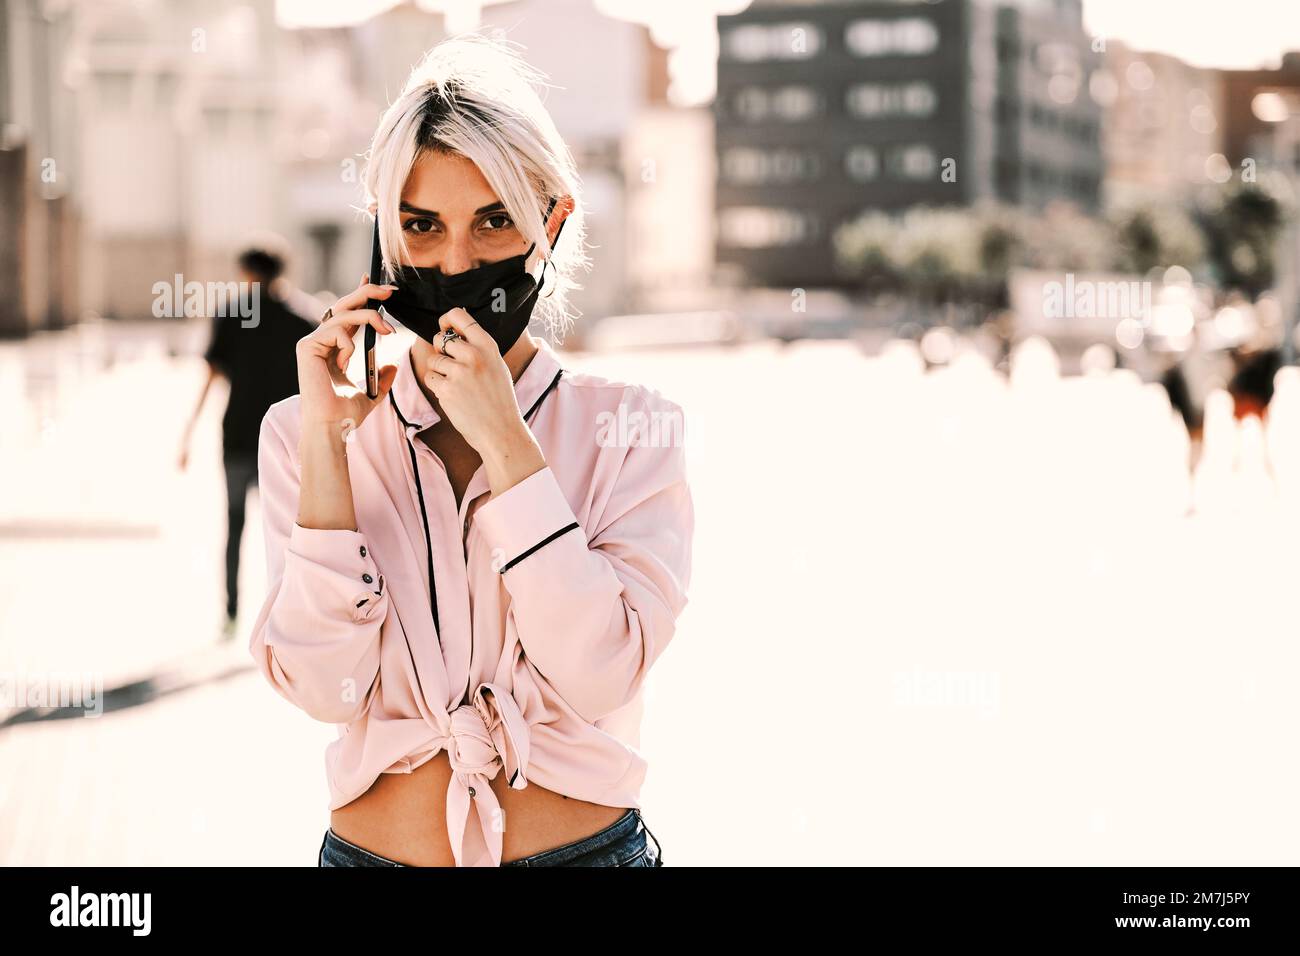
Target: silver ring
column 449, row 336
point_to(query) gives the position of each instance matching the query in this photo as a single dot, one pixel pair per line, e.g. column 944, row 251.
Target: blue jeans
column 622, row 843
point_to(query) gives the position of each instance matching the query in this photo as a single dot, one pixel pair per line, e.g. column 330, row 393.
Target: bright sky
column 1211, row 33
column 1242, row 34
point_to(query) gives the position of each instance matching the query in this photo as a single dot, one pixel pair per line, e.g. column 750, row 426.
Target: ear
column 563, row 207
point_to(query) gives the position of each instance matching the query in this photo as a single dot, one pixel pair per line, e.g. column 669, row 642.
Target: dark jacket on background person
column 261, row 364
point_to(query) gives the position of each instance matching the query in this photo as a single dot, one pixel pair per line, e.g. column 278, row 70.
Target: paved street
column 934, row 619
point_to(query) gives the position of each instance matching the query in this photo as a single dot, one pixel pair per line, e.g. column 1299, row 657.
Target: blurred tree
column 935, row 252
column 965, row 254
column 1241, row 224
column 1154, row 236
column 1002, row 235
column 863, row 247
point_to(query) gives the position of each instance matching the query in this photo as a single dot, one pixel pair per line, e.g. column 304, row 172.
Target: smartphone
column 372, row 369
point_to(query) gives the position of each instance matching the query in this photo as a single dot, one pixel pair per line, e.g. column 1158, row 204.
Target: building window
column 872, row 100
column 910, row 36
column 786, row 103
column 751, row 104
column 748, row 166
column 755, row 42
column 862, row 163
column 758, row 227
column 792, row 103
column 914, row 162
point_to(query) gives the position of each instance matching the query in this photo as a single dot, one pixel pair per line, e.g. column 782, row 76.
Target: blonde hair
column 474, row 95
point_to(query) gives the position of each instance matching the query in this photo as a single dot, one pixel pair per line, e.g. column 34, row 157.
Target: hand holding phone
column 328, row 396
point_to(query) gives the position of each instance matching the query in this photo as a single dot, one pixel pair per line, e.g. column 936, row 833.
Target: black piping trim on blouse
column 547, row 540
column 433, row 591
column 424, row 514
column 555, row 381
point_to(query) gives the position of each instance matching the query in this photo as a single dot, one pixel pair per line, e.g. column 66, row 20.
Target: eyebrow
column 417, row 211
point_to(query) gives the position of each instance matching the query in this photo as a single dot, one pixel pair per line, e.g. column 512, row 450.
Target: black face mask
column 499, row 295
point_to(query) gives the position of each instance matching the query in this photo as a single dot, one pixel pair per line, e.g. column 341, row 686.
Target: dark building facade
column 827, row 110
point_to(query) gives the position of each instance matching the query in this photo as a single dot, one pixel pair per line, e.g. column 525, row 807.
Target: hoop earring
column 546, row 262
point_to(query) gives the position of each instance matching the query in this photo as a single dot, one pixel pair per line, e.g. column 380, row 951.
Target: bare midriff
column 403, row 816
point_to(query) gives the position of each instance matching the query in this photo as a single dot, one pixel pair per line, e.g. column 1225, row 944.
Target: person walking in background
column 258, row 359
column 1176, row 384
column 1255, row 369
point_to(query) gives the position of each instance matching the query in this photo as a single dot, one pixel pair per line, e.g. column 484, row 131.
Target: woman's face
column 452, row 219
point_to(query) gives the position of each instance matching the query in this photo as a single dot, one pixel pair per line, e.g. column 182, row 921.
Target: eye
column 497, row 221
column 419, row 226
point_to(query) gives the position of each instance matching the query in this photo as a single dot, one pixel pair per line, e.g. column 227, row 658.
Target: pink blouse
column 527, row 649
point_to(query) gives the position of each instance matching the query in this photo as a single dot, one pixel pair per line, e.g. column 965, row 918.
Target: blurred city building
column 39, row 215
column 841, row 107
column 1161, row 128
column 1253, row 101
column 1278, row 149
column 145, row 137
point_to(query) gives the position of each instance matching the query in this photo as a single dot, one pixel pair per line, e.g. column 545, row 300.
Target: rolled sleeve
column 524, row 518
column 336, row 566
column 317, row 637
column 594, row 614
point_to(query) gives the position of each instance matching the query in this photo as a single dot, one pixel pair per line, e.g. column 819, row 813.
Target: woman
column 473, row 573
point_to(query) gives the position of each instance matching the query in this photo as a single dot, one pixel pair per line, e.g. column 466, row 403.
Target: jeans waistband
column 621, row 828
column 357, row 856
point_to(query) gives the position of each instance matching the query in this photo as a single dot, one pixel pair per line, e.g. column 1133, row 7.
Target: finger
column 457, row 349
column 346, row 347
column 440, row 365
column 353, row 318
column 436, row 369
column 338, row 376
column 435, row 382
column 465, row 325
column 358, row 297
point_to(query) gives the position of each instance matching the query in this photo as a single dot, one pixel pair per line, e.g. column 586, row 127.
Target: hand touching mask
column 499, row 295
